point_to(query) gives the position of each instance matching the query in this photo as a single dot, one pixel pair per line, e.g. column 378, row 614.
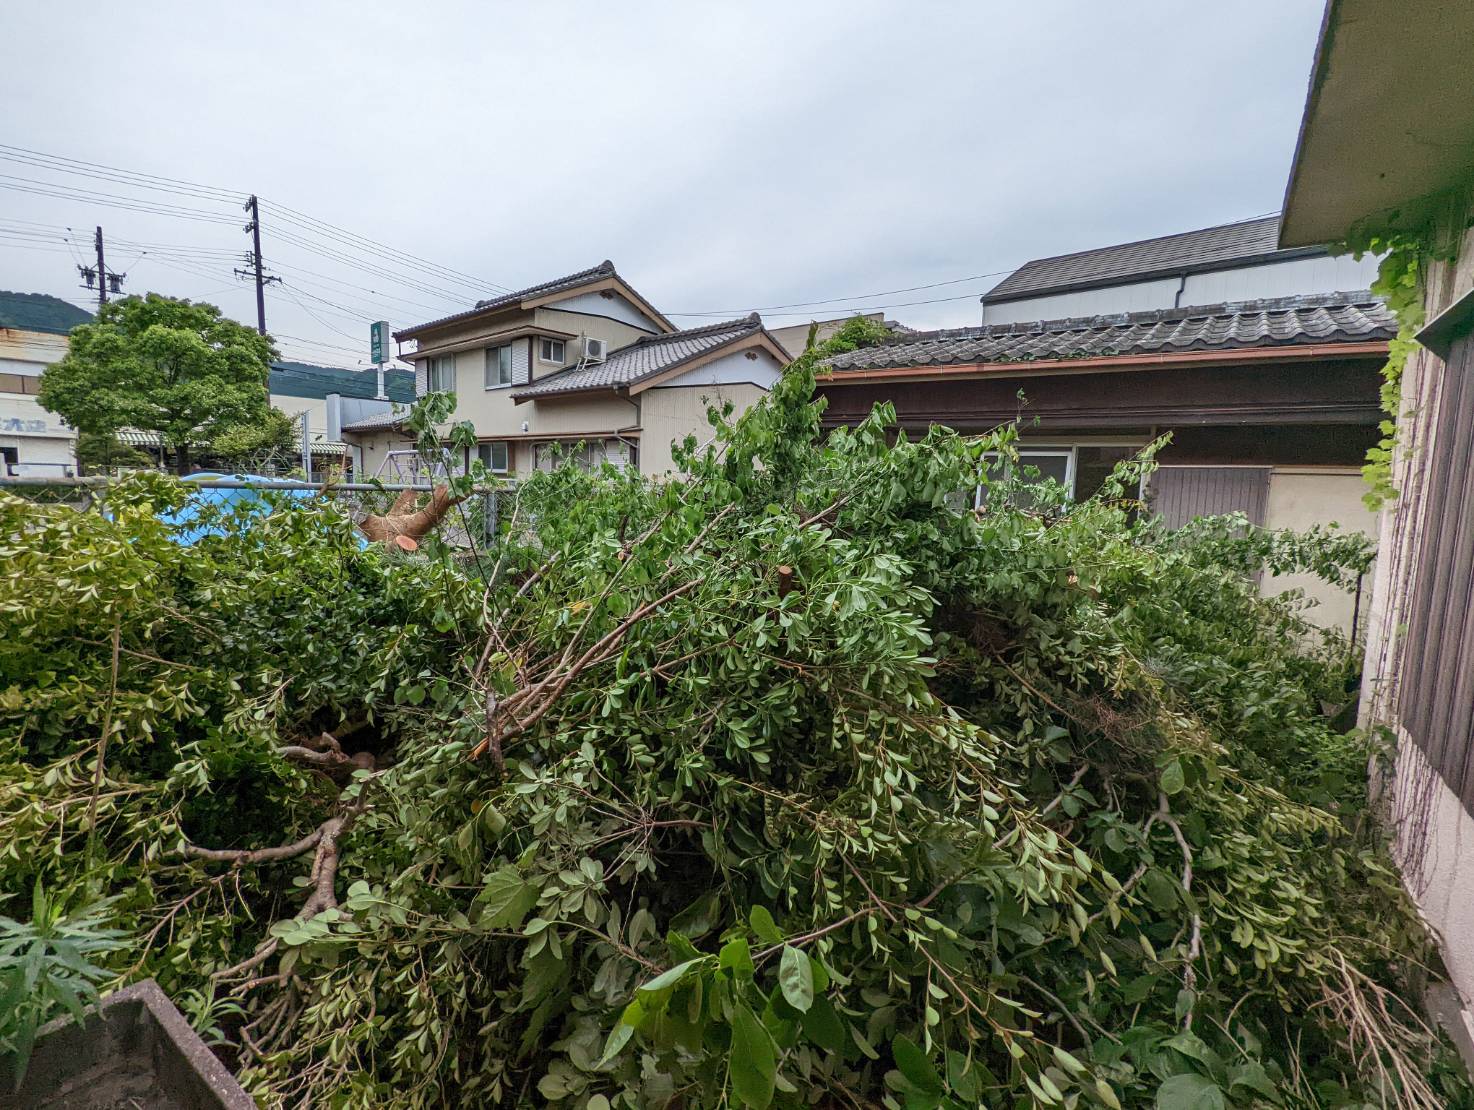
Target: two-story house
column 33, row 335
column 583, row 364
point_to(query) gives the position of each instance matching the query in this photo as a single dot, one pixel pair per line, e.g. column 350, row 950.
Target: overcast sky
column 726, row 156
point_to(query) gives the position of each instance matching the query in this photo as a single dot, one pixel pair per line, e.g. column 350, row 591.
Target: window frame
column 485, row 452
column 504, row 363
column 550, row 343
column 435, row 368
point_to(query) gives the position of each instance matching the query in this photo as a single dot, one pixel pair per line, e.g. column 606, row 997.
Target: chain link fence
column 468, row 526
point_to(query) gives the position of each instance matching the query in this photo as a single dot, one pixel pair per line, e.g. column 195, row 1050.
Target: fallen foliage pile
column 785, row 784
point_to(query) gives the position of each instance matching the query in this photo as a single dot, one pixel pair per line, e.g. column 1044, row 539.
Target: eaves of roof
column 603, row 275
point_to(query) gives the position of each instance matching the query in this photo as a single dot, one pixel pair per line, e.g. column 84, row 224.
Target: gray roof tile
column 643, row 358
column 1285, row 321
column 378, row 420
column 1209, row 249
column 502, row 300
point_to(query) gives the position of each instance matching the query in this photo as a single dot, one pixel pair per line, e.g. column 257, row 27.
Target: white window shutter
column 522, row 362
column 422, row 377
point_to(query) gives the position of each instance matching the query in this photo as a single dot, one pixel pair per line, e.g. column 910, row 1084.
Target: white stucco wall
column 615, row 307
column 1302, row 497
column 754, row 367
column 669, row 415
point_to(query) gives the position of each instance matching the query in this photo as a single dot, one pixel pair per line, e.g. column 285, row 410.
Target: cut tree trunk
column 403, row 525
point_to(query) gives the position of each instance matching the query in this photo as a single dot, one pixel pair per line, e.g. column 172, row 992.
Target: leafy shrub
column 784, row 783
column 46, row 970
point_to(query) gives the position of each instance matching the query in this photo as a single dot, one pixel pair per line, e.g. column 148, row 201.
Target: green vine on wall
column 1409, row 239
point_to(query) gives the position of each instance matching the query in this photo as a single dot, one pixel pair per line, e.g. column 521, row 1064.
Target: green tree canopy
column 161, row 365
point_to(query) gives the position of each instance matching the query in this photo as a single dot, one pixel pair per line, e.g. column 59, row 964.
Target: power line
column 384, row 297
column 226, row 194
column 110, row 200
column 853, row 297
column 308, row 224
column 352, row 241
column 118, row 178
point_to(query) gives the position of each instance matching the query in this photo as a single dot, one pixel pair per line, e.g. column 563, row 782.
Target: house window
column 440, row 374
column 494, row 456
column 551, row 350
column 498, row 366
column 1034, row 468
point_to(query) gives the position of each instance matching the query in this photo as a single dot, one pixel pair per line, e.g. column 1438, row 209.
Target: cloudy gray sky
column 725, row 156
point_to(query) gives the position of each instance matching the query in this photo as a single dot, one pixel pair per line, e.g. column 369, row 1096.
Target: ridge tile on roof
column 1206, row 249
column 644, row 358
column 1279, row 322
column 603, row 270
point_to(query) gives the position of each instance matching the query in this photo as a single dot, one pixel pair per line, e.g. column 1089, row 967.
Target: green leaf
column 764, row 926
column 796, row 978
column 1173, row 777
column 822, row 1025
column 961, row 1076
column 506, row 898
column 753, row 1062
column 619, row 1036
column 736, row 957
column 671, row 976
column 1190, row 1092
column 915, row 1066
column 1251, row 1075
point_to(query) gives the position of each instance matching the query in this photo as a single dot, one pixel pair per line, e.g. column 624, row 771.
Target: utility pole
column 101, row 271
column 106, row 282
column 253, row 206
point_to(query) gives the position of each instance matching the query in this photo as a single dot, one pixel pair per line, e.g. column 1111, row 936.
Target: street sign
column 379, row 342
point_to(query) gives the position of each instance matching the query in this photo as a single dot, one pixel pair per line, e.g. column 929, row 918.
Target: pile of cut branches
column 787, row 783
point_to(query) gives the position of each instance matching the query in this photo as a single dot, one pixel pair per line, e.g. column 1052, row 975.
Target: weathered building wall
column 1434, row 828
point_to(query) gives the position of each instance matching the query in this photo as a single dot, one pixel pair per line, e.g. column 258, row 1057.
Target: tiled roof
column 568, row 282
column 1286, row 321
column 40, row 312
column 302, row 379
column 644, row 358
column 377, row 421
column 1211, row 248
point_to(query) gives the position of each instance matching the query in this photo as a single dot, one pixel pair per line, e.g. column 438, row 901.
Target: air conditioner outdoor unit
column 594, row 350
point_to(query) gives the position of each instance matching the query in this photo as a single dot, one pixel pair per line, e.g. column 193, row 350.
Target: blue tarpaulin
column 226, row 500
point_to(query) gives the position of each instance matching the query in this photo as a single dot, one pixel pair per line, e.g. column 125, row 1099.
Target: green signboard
column 379, row 342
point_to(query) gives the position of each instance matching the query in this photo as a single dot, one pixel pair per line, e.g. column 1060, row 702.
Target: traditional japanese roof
column 648, row 358
column 302, row 379
column 40, row 312
column 604, row 272
column 1212, row 248
column 379, row 420
column 1282, row 322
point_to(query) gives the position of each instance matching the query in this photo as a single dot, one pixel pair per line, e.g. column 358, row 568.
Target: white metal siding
column 1177, row 494
column 1322, row 274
